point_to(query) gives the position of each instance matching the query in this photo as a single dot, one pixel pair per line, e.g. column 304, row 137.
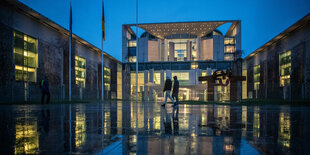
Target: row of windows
column 25, row 51
column 284, row 69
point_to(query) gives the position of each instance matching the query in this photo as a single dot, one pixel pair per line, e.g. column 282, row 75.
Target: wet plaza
column 118, row 127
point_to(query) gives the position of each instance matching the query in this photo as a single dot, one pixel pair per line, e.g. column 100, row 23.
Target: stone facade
column 53, row 49
column 297, row 40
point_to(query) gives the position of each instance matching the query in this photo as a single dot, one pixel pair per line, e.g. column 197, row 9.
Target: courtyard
column 123, row 127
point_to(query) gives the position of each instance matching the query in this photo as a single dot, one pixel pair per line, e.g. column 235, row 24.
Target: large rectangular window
column 244, row 85
column 157, row 77
column 80, row 71
column 183, row 77
column 204, row 73
column 256, row 77
column 285, row 68
column 25, row 57
column 107, row 78
column 119, row 81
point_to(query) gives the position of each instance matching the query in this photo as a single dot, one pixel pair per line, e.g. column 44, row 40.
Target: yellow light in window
column 27, row 69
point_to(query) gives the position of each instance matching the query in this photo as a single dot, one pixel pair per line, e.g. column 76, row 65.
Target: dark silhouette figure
column 175, row 118
column 175, row 92
column 167, row 89
column 45, row 90
column 167, row 122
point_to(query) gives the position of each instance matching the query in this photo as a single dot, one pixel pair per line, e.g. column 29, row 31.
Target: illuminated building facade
column 186, row 50
column 33, row 46
column 280, row 69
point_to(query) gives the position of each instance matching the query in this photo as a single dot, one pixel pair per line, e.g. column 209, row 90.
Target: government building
column 187, row 50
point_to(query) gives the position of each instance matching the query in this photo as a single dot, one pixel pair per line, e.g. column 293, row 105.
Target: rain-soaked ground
column 146, row 128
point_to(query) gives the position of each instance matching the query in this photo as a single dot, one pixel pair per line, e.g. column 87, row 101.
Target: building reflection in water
column 284, row 128
column 149, row 128
column 80, row 128
column 27, row 137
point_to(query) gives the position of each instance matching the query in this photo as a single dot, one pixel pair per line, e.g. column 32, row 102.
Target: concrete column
column 189, row 50
column 159, row 50
column 171, row 51
column 215, row 90
column 126, row 82
column 151, row 89
column 198, row 48
column 169, row 73
column 146, row 88
column 162, row 77
column 165, row 50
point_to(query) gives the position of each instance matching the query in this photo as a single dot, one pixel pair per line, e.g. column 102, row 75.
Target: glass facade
column 244, row 85
column 133, row 84
column 256, row 77
column 180, row 48
column 107, row 78
column 204, row 73
column 119, row 81
column 80, row 71
column 25, row 57
column 183, row 77
column 157, row 77
column 285, row 68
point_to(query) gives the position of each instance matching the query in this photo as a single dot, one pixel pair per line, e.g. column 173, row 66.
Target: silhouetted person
column 166, row 122
column 167, row 89
column 45, row 90
column 175, row 91
column 175, row 118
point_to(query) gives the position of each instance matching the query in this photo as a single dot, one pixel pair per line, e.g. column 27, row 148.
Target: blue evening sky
column 261, row 19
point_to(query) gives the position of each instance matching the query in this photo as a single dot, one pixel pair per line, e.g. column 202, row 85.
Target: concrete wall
column 206, row 49
column 153, row 53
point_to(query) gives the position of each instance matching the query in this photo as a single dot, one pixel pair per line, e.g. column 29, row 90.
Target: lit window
column 132, row 59
column 80, row 71
column 230, row 49
column 204, row 73
column 285, row 68
column 157, row 78
column 256, row 77
column 194, row 65
column 132, row 43
column 183, row 77
column 107, row 78
column 229, row 41
column 25, row 57
column 228, row 57
column 244, row 84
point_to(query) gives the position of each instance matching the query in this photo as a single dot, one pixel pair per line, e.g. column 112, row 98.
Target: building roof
column 22, row 8
column 160, row 30
column 299, row 24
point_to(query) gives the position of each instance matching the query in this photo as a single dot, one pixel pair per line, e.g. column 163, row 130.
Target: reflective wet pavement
column 146, row 128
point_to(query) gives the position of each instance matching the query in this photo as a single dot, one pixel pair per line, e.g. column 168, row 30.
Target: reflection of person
column 45, row 90
column 175, row 117
column 175, row 92
column 166, row 122
column 167, row 89
column 44, row 124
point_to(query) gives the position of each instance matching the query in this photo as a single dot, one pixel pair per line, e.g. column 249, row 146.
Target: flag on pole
column 102, row 24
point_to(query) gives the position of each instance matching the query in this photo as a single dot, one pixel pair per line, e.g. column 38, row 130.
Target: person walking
column 167, row 89
column 175, row 92
column 45, row 90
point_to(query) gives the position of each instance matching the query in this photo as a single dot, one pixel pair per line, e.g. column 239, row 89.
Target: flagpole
column 102, row 38
column 137, row 51
column 102, row 71
column 70, row 39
